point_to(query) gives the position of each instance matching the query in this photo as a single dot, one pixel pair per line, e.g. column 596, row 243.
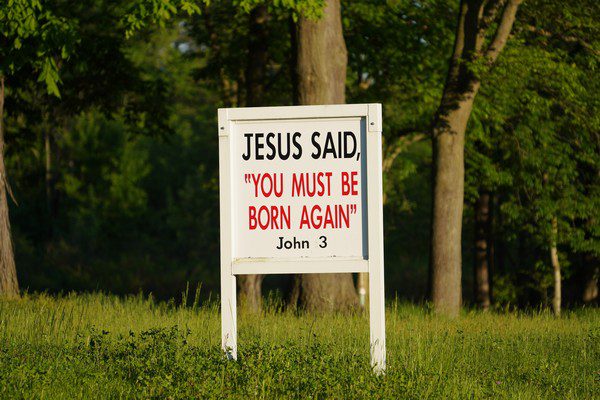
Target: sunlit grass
column 94, row 345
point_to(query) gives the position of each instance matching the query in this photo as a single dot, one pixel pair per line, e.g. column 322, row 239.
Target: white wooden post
column 228, row 286
column 228, row 317
column 376, row 276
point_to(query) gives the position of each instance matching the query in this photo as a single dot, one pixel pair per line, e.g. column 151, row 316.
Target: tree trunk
column 321, row 77
column 591, row 275
column 9, row 286
column 228, row 89
column 500, row 250
column 491, row 240
column 293, row 61
column 48, row 165
column 324, row 292
column 448, row 134
column 448, row 196
column 481, row 268
column 258, row 57
column 557, row 295
column 363, row 288
column 322, row 58
column 250, row 292
column 50, row 180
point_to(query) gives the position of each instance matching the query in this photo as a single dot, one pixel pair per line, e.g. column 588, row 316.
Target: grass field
column 97, row 346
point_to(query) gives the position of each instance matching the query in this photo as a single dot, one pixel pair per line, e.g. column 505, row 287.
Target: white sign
column 299, row 188
column 301, row 192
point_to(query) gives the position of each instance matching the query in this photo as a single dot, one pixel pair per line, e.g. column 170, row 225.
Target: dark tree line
column 491, row 144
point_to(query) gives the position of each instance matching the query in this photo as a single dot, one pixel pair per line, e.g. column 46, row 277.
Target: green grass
column 97, row 346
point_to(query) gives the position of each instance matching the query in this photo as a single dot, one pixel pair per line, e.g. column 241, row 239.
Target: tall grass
column 101, row 346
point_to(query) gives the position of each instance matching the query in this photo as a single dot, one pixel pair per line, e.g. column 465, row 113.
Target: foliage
column 533, row 140
column 312, row 9
column 36, row 39
column 143, row 13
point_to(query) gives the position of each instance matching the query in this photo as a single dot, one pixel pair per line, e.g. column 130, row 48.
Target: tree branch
column 459, row 43
column 489, row 13
column 401, row 144
column 503, row 31
column 399, row 133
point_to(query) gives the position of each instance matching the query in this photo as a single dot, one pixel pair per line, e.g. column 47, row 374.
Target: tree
column 9, row 285
column 590, row 281
column 32, row 39
column 396, row 55
column 321, row 73
column 482, row 272
column 255, row 76
column 471, row 54
column 247, row 62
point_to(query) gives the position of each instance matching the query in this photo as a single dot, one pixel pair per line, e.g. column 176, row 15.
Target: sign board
column 301, row 192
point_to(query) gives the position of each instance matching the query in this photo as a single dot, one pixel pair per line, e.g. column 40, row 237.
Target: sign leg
column 228, row 316
column 377, row 321
column 376, row 265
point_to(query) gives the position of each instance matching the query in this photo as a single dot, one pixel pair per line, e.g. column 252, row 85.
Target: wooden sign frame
column 373, row 262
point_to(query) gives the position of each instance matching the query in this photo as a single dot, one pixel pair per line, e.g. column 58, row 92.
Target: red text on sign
column 266, row 184
column 311, row 184
column 349, row 183
column 269, row 217
column 330, row 216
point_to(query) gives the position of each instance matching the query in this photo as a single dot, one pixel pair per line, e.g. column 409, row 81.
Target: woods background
column 110, row 141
